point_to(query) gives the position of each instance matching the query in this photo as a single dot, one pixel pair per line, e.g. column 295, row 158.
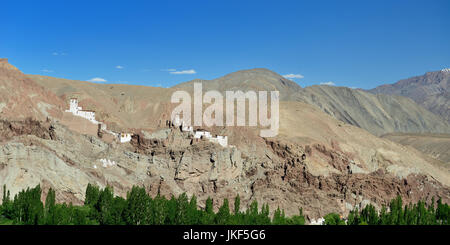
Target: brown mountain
column 436, row 146
column 21, row 97
column 258, row 79
column 431, row 90
column 118, row 105
column 378, row 114
column 316, row 162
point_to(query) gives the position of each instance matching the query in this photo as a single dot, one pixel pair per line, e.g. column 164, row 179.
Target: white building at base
column 319, row 221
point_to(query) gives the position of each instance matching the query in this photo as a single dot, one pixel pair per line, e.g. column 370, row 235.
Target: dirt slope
column 20, row 97
column 435, row 145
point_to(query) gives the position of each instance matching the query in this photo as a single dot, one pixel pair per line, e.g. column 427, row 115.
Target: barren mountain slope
column 378, row 114
column 254, row 79
column 431, row 90
column 118, row 105
column 311, row 126
column 435, row 145
column 20, row 97
column 316, row 162
column 130, row 106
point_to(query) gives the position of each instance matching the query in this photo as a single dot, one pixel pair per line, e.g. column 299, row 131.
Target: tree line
column 435, row 213
column 101, row 207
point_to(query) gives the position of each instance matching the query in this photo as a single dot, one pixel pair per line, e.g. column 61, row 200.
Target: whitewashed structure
column 124, row 137
column 107, row 163
column 78, row 111
column 319, row 221
column 446, row 70
column 221, row 140
column 90, row 115
column 177, row 122
column 200, row 134
column 187, row 128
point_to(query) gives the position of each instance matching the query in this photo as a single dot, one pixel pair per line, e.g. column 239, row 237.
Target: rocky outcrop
column 278, row 172
column 10, row 129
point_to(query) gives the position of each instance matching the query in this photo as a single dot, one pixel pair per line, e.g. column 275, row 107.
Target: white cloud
column 97, row 80
column 328, row 83
column 46, row 70
column 191, row 71
column 293, row 76
column 56, row 54
column 171, row 70
column 119, row 67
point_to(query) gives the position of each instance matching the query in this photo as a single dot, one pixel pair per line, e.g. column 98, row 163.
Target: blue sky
column 350, row 43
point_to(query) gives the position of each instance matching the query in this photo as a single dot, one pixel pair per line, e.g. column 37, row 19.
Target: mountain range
column 431, row 91
column 328, row 156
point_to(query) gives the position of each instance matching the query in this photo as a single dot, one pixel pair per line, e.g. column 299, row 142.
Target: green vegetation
column 101, row 207
column 412, row 214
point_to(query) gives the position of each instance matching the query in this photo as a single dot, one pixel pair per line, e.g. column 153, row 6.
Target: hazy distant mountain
column 378, row 114
column 430, row 90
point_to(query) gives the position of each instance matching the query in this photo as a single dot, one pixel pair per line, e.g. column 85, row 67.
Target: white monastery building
column 78, row 111
column 90, row 115
column 201, row 134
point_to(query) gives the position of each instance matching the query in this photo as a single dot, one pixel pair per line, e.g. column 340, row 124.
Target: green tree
column 223, row 215
column 333, row 219
column 105, row 206
column 50, row 203
column 208, row 214
column 137, row 210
